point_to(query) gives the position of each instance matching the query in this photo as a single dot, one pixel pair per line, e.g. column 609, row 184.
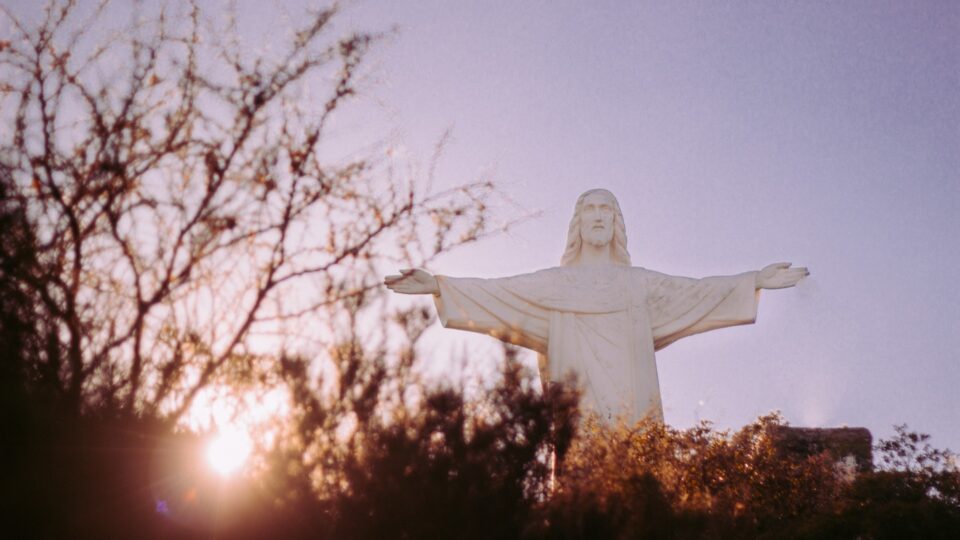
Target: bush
column 652, row 481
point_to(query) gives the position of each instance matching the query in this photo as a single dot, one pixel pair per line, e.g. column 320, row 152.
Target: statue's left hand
column 780, row 276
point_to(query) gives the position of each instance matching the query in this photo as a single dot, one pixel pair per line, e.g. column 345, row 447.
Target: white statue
column 596, row 314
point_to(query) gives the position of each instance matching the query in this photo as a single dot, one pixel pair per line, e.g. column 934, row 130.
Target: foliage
column 652, row 481
column 379, row 459
column 431, row 466
column 914, row 493
column 185, row 201
column 440, row 467
column 656, row 481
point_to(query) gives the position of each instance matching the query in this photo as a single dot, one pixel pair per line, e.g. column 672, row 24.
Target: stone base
column 843, row 444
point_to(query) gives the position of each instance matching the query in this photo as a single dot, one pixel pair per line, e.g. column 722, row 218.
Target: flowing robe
column 603, row 323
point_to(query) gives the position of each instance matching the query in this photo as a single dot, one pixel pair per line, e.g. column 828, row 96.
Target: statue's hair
column 618, row 245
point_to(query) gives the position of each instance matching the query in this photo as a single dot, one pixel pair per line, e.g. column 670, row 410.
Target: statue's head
column 598, row 221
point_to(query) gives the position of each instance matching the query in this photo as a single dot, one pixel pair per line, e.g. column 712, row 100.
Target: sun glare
column 232, row 425
column 228, row 451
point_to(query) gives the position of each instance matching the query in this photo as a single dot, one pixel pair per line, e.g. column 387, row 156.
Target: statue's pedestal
column 846, row 445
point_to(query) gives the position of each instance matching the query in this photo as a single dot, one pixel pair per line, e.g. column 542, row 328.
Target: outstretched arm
column 413, row 281
column 681, row 307
column 485, row 306
column 780, row 276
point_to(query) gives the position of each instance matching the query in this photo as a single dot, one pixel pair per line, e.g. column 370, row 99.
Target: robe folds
column 603, row 323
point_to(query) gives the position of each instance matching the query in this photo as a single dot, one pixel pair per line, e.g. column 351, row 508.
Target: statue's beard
column 597, row 237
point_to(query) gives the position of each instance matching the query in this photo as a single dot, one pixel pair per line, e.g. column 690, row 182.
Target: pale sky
column 734, row 134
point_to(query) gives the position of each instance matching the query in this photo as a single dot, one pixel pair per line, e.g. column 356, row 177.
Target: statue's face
column 596, row 219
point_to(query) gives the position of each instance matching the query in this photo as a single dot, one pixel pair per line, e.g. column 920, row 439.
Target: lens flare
column 228, row 451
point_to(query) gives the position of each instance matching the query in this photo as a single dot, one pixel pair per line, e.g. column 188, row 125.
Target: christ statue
column 595, row 314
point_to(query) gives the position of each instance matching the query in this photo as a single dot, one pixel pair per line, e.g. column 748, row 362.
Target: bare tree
column 181, row 201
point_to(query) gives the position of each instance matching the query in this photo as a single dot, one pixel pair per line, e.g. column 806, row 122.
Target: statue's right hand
column 412, row 281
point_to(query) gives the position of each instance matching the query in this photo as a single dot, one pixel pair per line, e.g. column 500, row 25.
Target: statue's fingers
column 783, row 265
column 791, row 277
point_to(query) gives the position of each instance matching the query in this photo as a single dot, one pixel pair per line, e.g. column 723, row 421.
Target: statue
column 596, row 314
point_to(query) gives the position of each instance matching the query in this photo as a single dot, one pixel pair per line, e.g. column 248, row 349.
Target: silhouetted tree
column 430, row 466
column 179, row 193
column 168, row 197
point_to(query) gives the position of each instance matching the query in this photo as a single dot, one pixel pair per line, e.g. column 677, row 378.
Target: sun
column 237, row 424
column 229, row 450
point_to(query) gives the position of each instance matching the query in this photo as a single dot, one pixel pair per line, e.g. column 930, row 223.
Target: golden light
column 229, row 450
column 235, row 419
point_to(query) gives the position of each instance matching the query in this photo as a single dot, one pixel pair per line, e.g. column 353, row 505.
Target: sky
column 734, row 134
